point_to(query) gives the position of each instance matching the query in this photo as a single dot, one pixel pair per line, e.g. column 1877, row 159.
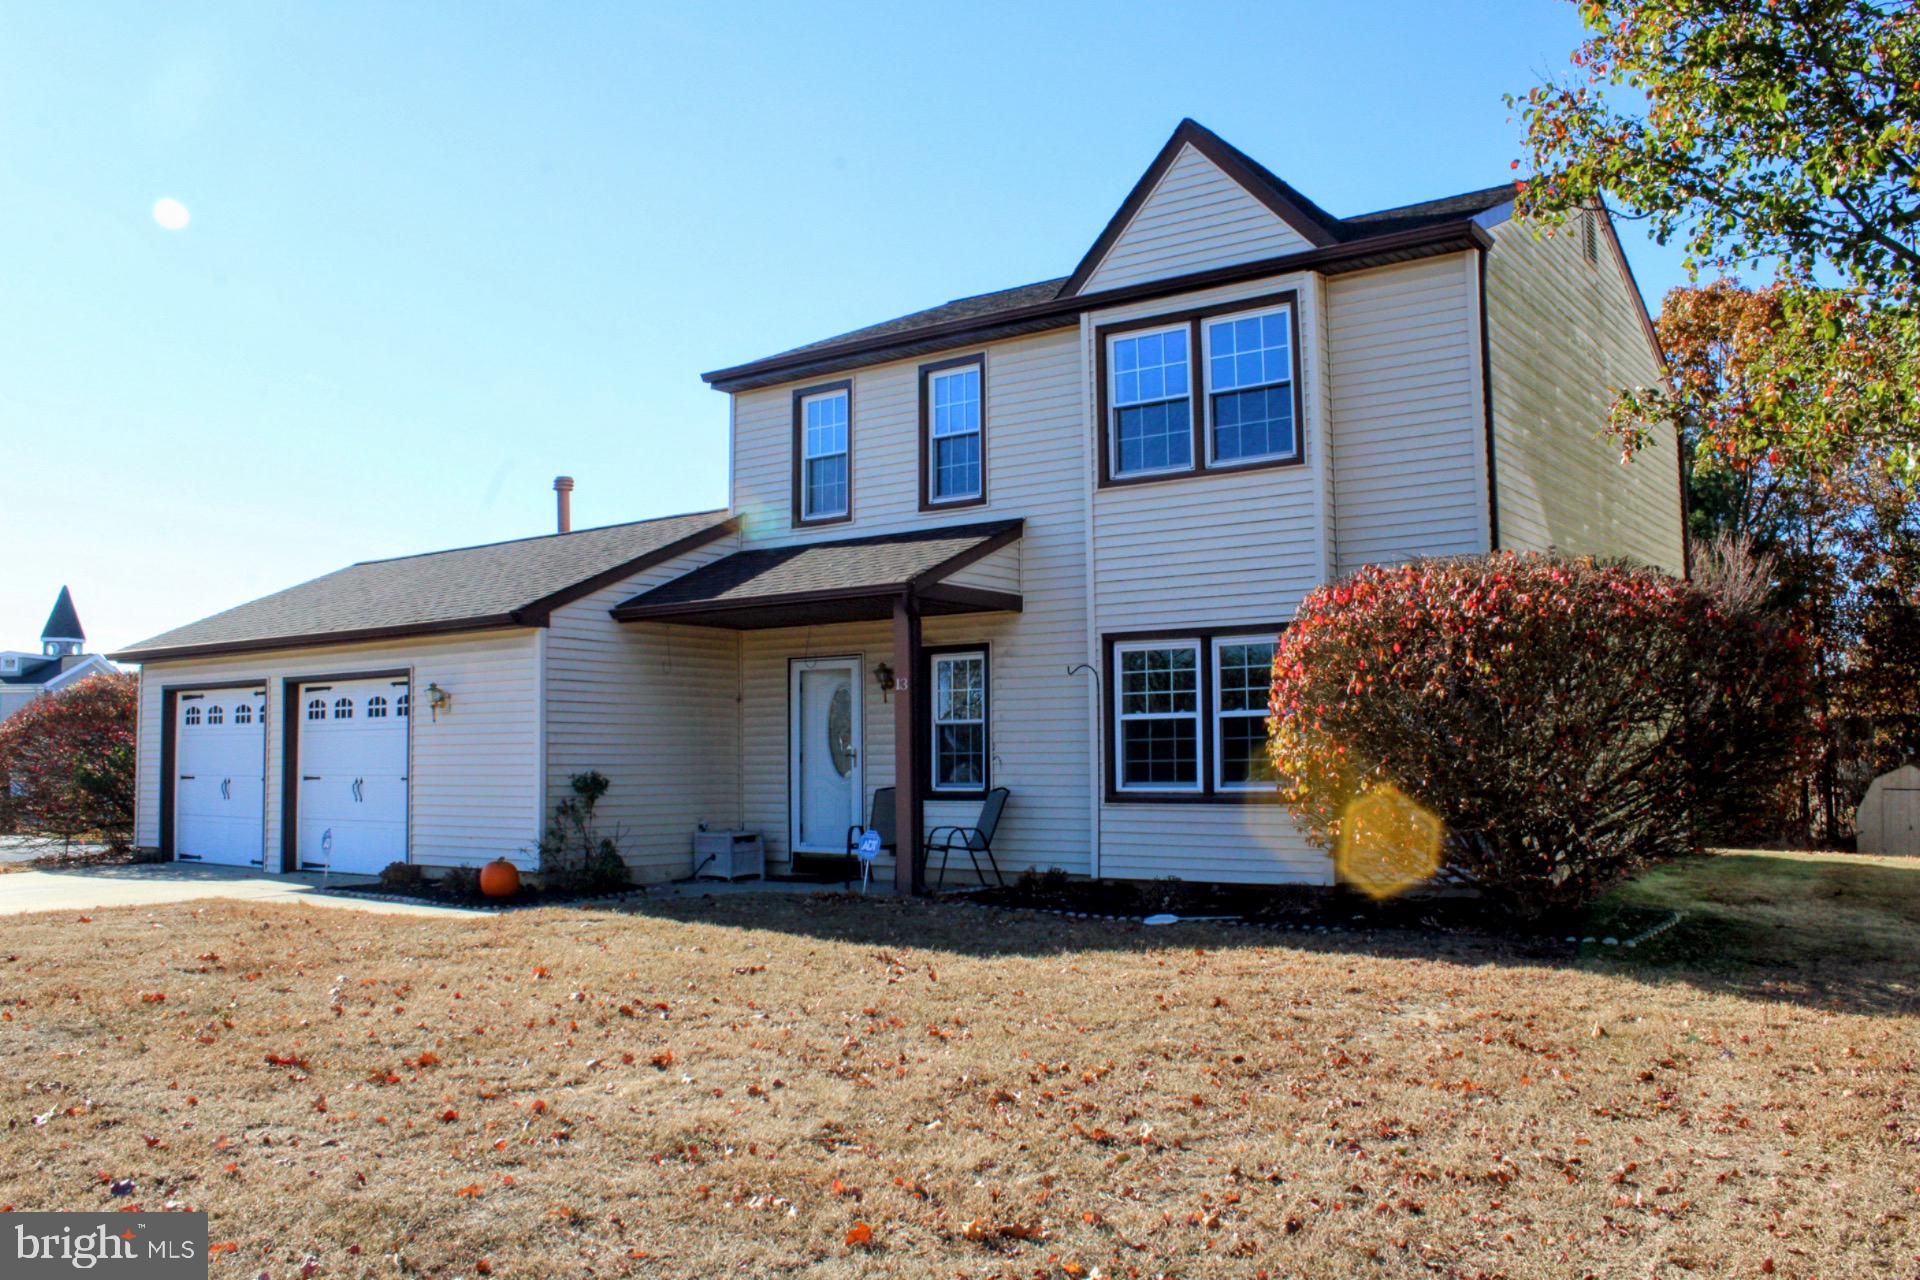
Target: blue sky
column 439, row 254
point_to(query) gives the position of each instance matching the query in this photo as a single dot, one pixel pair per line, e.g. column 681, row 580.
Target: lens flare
column 171, row 214
column 1388, row 843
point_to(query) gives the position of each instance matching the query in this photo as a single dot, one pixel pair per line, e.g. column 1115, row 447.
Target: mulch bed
column 436, row 892
column 1305, row 907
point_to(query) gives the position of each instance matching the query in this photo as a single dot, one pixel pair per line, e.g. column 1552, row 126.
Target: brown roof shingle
column 469, row 588
column 866, row 566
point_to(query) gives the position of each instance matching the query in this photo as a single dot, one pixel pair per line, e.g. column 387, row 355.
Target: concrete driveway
column 153, row 884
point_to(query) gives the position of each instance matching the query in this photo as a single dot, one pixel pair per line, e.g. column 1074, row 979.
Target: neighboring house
column 1043, row 538
column 61, row 662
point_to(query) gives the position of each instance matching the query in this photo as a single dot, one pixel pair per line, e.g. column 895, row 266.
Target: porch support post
column 909, row 744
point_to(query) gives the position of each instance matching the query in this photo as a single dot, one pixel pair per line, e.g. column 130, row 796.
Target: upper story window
column 1152, row 402
column 1250, row 387
column 823, row 454
column 953, row 433
column 1241, row 408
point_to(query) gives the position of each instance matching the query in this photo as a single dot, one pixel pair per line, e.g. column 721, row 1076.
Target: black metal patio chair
column 974, row 840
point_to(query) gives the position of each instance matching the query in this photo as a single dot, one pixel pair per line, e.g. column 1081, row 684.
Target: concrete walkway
column 152, row 884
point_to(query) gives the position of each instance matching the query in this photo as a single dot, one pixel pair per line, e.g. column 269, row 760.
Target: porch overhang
column 847, row 580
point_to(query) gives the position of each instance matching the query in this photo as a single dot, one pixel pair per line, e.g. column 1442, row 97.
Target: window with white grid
column 1152, row 398
column 1157, row 692
column 825, row 480
column 1242, row 681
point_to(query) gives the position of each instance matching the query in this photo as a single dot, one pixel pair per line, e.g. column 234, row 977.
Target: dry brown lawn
column 836, row 1088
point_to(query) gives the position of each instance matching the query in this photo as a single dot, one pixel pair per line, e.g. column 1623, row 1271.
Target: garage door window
column 376, row 708
column 242, row 714
column 193, row 716
column 214, row 714
column 343, row 708
column 317, row 709
column 400, row 705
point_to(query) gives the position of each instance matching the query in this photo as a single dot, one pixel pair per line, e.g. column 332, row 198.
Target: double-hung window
column 824, row 478
column 1152, row 416
column 959, row 721
column 1215, row 388
column 1250, row 387
column 1242, row 679
column 1190, row 716
column 1159, row 716
column 954, row 412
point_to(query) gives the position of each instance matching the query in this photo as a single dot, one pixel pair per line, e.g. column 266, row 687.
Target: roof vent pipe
column 563, row 491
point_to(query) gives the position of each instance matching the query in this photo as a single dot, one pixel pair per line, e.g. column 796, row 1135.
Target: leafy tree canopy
column 1756, row 129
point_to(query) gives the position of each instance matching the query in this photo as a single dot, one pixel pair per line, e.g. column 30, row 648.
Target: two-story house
column 1042, row 539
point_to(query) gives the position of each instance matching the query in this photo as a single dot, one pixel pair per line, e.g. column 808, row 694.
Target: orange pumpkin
column 499, row 879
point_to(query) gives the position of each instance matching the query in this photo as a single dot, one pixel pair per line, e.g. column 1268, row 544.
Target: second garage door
column 352, row 811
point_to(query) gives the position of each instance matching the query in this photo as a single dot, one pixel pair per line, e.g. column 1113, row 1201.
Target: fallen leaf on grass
column 860, row 1236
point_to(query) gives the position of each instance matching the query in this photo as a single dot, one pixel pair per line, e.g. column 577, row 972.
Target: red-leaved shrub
column 1570, row 722
column 66, row 761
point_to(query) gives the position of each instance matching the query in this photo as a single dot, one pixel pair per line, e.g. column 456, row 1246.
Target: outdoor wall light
column 438, row 700
column 883, row 676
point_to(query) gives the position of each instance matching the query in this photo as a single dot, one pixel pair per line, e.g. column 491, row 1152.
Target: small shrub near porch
column 1569, row 722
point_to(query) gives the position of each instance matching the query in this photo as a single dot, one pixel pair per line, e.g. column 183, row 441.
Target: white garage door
column 220, row 762
column 352, row 810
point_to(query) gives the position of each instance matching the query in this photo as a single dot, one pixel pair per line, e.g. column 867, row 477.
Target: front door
column 825, row 753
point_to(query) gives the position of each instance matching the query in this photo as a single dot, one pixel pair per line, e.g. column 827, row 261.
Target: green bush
column 1569, row 722
column 461, row 884
column 400, row 875
column 575, row 855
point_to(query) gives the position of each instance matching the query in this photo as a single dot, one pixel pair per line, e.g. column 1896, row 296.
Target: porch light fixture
column 883, row 676
column 438, row 700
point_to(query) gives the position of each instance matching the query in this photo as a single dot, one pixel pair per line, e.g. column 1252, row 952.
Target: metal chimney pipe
column 563, row 491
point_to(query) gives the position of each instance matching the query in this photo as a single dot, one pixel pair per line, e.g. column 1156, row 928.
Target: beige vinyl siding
column 472, row 791
column 1033, row 444
column 1037, row 739
column 1409, row 454
column 997, row 572
column 653, row 708
column 1196, row 217
column 1564, row 335
column 1216, row 550
column 1037, row 455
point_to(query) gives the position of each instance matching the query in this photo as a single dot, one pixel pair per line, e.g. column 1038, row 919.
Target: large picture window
column 1159, row 693
column 823, row 454
column 1161, row 416
column 953, row 422
column 1188, row 718
column 959, row 721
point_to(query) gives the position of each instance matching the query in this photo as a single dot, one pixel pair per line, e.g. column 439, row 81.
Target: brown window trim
column 800, row 519
column 1208, row 793
column 1193, row 318
column 927, row 500
column 925, row 676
